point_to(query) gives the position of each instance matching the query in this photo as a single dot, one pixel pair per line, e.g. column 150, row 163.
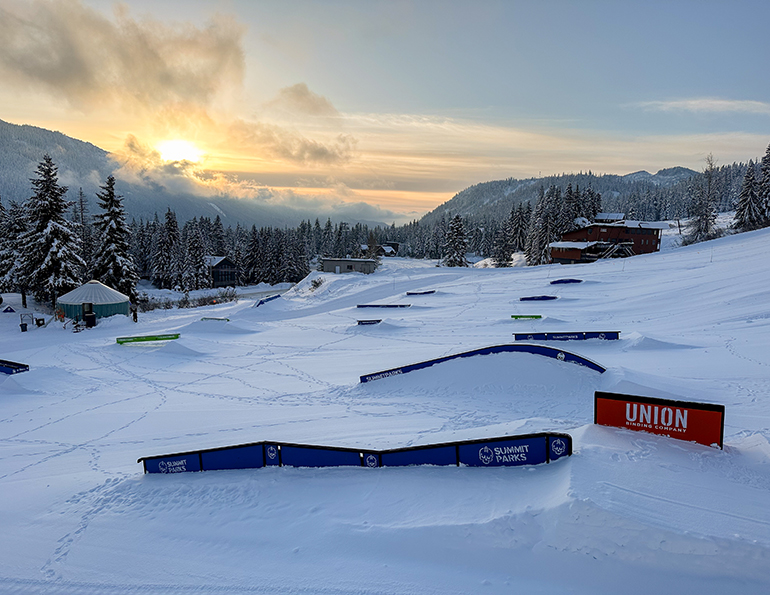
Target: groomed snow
column 627, row 513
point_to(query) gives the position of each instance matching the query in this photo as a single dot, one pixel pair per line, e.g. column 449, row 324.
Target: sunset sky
column 395, row 104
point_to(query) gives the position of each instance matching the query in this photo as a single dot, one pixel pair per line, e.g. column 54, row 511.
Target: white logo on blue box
column 486, row 455
column 559, row 447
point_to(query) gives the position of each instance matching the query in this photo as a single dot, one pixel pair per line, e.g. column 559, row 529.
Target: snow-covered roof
column 572, row 245
column 634, row 223
column 93, row 292
column 213, row 261
column 644, row 224
column 610, row 216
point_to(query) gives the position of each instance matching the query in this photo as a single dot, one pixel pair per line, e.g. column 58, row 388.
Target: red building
column 608, row 239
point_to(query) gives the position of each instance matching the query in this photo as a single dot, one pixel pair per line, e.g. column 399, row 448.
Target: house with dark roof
column 222, row 270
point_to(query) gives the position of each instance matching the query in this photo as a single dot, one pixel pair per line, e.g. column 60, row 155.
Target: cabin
column 348, row 265
column 609, row 238
column 222, row 271
column 384, row 249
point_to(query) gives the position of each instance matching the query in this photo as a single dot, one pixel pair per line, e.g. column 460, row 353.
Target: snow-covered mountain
column 493, row 200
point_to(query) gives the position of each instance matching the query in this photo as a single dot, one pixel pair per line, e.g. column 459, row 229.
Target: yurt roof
column 93, row 292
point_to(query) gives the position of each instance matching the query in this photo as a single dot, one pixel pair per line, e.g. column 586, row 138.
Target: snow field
column 628, row 512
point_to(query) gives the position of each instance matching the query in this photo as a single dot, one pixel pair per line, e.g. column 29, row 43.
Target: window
column 350, row 267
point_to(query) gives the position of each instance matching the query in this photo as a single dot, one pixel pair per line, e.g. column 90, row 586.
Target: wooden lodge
column 609, row 237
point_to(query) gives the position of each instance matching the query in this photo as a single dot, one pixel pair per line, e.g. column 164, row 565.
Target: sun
column 179, row 150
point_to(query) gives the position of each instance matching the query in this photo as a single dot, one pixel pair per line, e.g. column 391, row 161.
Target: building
column 609, row 238
column 384, row 249
column 348, row 265
column 222, row 270
column 92, row 298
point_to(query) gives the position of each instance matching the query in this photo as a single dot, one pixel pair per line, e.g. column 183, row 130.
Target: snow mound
column 637, row 341
column 9, row 386
column 216, row 327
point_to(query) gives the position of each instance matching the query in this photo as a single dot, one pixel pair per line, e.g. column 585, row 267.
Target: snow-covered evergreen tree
column 13, row 226
column 504, row 242
column 113, row 264
column 51, row 262
column 456, row 244
column 196, row 270
column 749, row 213
column 167, row 259
column 703, row 212
column 543, row 227
column 763, row 189
column 85, row 232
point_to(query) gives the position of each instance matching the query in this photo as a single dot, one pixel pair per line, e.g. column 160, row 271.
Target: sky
column 399, row 105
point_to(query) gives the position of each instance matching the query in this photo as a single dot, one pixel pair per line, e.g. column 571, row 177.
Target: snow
column 629, row 512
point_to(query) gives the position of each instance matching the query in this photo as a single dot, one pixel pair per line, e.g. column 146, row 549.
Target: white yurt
column 93, row 297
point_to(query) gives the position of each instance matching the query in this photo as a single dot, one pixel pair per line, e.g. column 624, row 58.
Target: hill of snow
column 629, row 512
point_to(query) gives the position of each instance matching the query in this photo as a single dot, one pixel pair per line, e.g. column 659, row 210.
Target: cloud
column 298, row 99
column 76, row 53
column 285, row 144
column 708, row 105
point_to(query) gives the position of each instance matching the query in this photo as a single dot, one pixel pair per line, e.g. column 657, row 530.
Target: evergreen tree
column 218, row 244
column 13, row 226
column 703, row 213
column 504, row 243
column 764, row 188
column 196, row 270
column 51, row 262
column 456, row 244
column 254, row 256
column 167, row 261
column 113, row 264
column 85, row 233
column 371, row 249
column 749, row 213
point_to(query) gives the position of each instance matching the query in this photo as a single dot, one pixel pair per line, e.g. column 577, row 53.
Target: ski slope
column 629, row 512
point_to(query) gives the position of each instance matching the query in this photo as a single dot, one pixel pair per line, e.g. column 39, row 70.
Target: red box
column 703, row 423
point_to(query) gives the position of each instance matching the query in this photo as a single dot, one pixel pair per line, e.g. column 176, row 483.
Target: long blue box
column 529, row 449
column 9, row 367
column 579, row 336
column 383, row 305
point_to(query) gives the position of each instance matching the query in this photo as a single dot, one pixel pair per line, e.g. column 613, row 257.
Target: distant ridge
column 495, row 199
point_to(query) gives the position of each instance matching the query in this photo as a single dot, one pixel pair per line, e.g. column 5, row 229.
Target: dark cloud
column 282, row 143
column 76, row 53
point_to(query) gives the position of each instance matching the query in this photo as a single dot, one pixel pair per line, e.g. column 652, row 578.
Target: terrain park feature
column 428, row 292
column 538, row 298
column 166, row 337
column 7, row 367
column 580, row 336
column 526, row 316
column 559, row 354
column 368, row 322
column 565, row 281
column 383, row 305
column 703, row 423
column 505, row 451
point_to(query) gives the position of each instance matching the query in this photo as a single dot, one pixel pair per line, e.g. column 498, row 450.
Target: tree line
column 49, row 246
